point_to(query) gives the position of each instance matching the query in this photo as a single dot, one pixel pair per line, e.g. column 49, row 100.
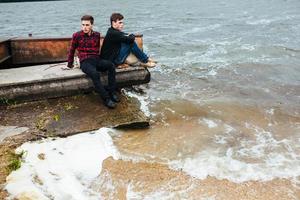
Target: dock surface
column 50, row 80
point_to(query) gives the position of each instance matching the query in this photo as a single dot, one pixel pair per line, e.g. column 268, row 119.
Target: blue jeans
column 126, row 49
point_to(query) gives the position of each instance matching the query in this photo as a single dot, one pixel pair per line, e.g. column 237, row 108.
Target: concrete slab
column 9, row 131
column 46, row 81
column 38, row 73
column 67, row 116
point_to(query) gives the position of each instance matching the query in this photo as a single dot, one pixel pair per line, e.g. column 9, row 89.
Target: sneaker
column 122, row 66
column 148, row 64
column 110, row 104
column 114, row 97
column 151, row 60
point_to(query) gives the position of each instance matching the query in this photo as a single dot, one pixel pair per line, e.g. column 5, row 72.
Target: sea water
column 224, row 100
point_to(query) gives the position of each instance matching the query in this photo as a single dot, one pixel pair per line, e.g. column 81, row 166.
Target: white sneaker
column 151, row 60
column 148, row 64
column 122, row 66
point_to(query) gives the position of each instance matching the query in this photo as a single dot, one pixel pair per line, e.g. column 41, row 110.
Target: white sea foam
column 262, row 158
column 163, row 192
column 268, row 21
column 67, row 169
column 270, row 111
column 143, row 99
column 210, row 123
column 212, row 73
column 198, row 29
column 159, row 194
column 248, row 47
column 259, row 22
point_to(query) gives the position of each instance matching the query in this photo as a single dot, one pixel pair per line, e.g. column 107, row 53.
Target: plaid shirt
column 87, row 46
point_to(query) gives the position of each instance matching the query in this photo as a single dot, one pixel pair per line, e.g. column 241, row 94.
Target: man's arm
column 118, row 36
column 74, row 44
column 100, row 44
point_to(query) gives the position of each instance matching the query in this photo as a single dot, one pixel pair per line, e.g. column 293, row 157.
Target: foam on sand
column 143, row 101
column 61, row 168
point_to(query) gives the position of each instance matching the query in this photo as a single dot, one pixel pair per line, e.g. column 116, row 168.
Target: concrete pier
column 50, row 80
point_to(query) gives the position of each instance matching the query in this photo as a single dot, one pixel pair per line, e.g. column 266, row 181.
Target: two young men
column 116, row 47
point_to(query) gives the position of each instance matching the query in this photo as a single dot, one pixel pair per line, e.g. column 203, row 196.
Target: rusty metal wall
column 40, row 50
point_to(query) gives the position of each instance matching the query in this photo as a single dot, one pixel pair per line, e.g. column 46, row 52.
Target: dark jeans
column 125, row 51
column 92, row 67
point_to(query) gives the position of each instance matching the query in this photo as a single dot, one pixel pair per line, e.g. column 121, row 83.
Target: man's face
column 86, row 26
column 119, row 25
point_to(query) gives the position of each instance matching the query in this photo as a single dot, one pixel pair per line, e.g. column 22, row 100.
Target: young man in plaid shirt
column 87, row 43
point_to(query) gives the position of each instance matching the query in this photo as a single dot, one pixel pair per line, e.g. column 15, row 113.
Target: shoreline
column 61, row 117
column 157, row 179
column 125, row 179
column 131, row 179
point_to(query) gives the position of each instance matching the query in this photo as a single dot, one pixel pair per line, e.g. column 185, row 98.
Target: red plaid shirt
column 87, row 46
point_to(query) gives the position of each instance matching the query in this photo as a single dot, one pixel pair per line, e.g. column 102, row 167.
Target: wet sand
column 120, row 179
column 180, row 132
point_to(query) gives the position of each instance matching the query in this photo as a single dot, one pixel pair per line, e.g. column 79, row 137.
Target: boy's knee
column 112, row 65
column 109, row 64
column 92, row 74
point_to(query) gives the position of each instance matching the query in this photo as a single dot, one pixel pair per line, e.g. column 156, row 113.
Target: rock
column 8, row 131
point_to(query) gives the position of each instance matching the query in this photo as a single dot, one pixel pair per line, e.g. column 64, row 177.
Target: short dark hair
column 115, row 17
column 88, row 18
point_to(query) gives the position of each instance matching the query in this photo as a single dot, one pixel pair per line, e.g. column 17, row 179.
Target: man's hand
column 67, row 67
column 132, row 36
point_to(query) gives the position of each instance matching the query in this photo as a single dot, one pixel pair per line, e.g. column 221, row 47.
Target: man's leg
column 89, row 68
column 106, row 65
column 138, row 53
column 124, row 52
column 126, row 49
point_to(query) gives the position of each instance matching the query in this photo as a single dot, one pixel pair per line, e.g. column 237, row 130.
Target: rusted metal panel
column 139, row 40
column 39, row 50
column 4, row 50
column 44, row 50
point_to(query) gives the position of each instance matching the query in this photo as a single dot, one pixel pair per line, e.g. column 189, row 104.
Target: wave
column 260, row 159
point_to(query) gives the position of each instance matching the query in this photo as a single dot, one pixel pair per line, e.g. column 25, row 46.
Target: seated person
column 117, row 45
column 87, row 43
